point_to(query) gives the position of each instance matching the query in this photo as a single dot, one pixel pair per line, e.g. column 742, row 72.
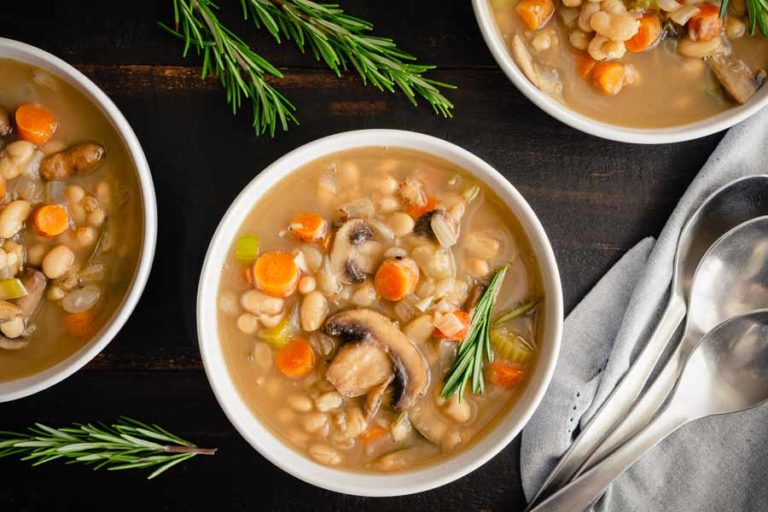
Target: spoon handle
column 645, row 409
column 586, row 489
column 619, row 402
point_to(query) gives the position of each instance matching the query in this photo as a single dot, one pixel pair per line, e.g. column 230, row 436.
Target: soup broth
column 661, row 87
column 76, row 247
column 360, row 400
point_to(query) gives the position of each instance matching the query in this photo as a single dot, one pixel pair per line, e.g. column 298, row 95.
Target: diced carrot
column 706, row 25
column 275, row 273
column 465, row 318
column 309, row 227
column 535, row 13
column 584, row 65
column 80, row 324
column 295, row 359
column 505, row 374
column 417, row 211
column 2, row 188
column 608, row 77
column 396, row 279
column 647, row 35
column 35, row 123
column 373, row 433
column 50, row 220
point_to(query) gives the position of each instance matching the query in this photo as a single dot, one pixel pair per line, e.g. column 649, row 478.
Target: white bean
column 261, row 355
column 300, row 403
column 316, row 423
column 698, row 49
column 58, row 261
column 619, row 27
column 86, row 236
column 401, row 223
column 460, row 411
column 365, row 295
column 388, row 204
column 248, row 323
column 477, row 267
column 420, row 329
column 314, row 309
column 603, row 48
column 74, row 194
column 328, row 401
column 96, row 218
column 613, row 6
column 387, row 185
column 13, row 328
column 35, row 255
column 259, row 303
column 325, row 455
column 270, row 321
column 587, row 10
column 579, row 39
column 306, row 285
column 355, row 421
column 12, row 217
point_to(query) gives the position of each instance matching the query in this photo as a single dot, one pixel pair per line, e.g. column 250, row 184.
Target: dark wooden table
column 595, row 198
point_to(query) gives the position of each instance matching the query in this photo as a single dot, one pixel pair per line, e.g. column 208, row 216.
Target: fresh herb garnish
column 757, row 14
column 520, row 310
column 469, row 360
column 127, row 444
column 338, row 39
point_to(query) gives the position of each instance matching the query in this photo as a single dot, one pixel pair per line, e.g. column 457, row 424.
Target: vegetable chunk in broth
column 350, row 290
column 636, row 63
column 70, row 220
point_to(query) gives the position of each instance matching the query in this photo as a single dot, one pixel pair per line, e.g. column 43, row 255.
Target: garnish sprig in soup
column 343, row 308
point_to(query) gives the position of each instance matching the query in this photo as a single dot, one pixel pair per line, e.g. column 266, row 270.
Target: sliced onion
column 683, row 14
column 81, row 300
column 360, row 208
column 54, row 192
column 668, row 5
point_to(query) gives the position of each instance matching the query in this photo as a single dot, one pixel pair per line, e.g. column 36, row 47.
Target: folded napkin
column 715, row 464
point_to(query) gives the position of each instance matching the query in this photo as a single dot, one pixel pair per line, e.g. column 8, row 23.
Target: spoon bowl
column 726, row 373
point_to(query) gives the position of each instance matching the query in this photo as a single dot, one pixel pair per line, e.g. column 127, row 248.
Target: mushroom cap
column 412, row 372
column 344, row 255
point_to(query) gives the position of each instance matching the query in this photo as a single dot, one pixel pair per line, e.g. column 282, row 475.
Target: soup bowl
column 349, row 482
column 34, row 383
column 721, row 121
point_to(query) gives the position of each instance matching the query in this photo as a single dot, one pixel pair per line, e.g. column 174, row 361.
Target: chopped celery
column 279, row 335
column 510, row 346
column 12, row 289
column 247, row 249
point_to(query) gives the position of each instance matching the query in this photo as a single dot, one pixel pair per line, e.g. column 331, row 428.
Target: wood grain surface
column 595, row 198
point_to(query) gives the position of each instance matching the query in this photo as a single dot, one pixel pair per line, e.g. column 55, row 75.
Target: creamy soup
column 70, row 220
column 646, row 64
column 348, row 294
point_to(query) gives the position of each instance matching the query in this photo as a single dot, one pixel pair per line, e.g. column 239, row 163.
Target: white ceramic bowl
column 344, row 481
column 26, row 386
column 714, row 124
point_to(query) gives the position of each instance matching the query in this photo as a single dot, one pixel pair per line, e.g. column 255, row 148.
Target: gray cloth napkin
column 715, row 464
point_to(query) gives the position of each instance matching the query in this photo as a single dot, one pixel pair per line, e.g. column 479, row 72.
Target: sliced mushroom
column 375, row 397
column 359, row 367
column 345, row 260
column 440, row 225
column 411, row 369
column 5, row 123
column 73, row 161
column 34, row 281
column 737, row 78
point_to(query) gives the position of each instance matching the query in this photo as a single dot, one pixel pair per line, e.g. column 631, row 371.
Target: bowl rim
column 268, row 444
column 28, row 54
column 713, row 124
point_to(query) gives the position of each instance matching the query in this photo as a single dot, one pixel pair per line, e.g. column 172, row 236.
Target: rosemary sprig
column 336, row 38
column 757, row 14
column 242, row 71
column 469, row 359
column 127, row 444
column 522, row 309
column 340, row 39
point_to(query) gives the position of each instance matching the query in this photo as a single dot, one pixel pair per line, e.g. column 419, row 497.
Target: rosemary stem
column 190, row 449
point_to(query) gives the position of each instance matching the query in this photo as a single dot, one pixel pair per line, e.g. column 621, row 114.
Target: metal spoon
column 725, row 208
column 728, row 372
column 731, row 279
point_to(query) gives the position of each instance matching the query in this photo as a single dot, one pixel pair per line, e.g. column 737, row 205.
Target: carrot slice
column 535, row 13
column 647, row 35
column 396, row 279
column 465, row 318
column 80, row 324
column 505, row 374
column 296, row 359
column 309, row 227
column 706, row 25
column 373, row 433
column 585, row 65
column 50, row 220
column 417, row 211
column 35, row 123
column 608, row 77
column 276, row 274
